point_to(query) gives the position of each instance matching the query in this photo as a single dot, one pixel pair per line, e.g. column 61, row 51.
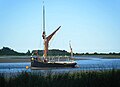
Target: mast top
column 43, row 17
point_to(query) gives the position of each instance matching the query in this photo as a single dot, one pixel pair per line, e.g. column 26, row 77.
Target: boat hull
column 51, row 65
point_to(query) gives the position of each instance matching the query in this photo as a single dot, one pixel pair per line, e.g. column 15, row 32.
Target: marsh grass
column 103, row 78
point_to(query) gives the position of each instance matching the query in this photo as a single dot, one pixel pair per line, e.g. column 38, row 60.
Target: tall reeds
column 108, row 78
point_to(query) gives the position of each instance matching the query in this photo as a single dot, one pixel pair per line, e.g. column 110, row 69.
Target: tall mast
column 44, row 35
column 46, row 38
column 43, row 17
column 71, row 51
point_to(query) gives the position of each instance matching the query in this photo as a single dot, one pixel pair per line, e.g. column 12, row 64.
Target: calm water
column 90, row 64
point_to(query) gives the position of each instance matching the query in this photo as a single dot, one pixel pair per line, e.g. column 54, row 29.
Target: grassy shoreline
column 109, row 78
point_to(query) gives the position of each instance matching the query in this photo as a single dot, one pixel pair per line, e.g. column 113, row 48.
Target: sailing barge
column 38, row 63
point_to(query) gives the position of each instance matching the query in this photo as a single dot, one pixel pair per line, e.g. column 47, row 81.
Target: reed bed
column 103, row 78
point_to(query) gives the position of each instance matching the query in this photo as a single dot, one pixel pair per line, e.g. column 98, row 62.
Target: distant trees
column 95, row 53
column 9, row 51
column 52, row 52
column 114, row 53
column 28, row 52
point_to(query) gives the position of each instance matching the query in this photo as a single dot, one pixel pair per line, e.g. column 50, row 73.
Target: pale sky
column 90, row 25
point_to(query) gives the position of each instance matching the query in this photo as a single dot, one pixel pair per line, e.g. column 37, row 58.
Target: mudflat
column 11, row 59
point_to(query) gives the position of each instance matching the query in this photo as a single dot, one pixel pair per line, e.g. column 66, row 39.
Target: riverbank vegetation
column 109, row 78
column 6, row 51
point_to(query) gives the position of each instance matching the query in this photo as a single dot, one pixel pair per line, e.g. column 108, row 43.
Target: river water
column 87, row 64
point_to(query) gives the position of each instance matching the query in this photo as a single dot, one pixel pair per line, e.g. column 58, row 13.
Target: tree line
column 52, row 52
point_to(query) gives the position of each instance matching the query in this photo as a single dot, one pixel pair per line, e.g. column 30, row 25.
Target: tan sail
column 46, row 41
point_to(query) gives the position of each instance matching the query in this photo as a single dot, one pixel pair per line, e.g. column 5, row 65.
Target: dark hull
column 51, row 65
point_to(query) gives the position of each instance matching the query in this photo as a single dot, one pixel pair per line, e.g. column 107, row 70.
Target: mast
column 71, row 51
column 43, row 17
column 48, row 38
column 44, row 34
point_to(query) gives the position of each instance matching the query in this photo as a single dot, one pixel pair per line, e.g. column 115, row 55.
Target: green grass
column 109, row 78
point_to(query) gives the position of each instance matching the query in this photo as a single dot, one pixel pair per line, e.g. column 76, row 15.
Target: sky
column 90, row 25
